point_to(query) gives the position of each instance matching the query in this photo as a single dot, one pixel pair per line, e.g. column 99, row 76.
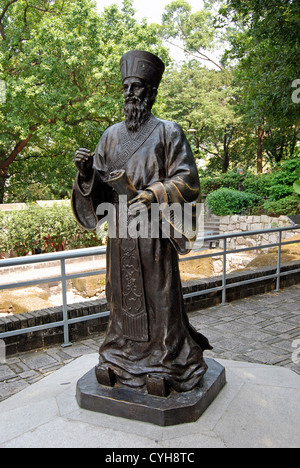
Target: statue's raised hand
column 84, row 162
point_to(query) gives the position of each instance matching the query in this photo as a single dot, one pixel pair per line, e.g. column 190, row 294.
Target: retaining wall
column 239, row 223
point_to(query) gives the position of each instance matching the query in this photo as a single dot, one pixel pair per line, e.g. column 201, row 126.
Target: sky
column 152, row 10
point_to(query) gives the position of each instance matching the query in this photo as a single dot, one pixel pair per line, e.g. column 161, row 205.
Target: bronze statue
column 149, row 342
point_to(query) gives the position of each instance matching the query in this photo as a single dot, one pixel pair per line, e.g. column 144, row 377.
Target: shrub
column 258, row 184
column 209, row 184
column 225, row 201
column 286, row 206
column 47, row 229
column 231, row 180
column 283, row 178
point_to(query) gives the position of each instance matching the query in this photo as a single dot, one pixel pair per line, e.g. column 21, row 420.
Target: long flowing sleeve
column 181, row 187
column 85, row 199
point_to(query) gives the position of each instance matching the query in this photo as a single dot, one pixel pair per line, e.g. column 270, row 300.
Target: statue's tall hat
column 143, row 65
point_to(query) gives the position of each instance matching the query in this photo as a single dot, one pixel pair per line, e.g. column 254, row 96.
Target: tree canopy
column 265, row 44
column 60, row 84
column 59, row 60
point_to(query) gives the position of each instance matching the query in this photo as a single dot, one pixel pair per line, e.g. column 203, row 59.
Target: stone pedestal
column 177, row 408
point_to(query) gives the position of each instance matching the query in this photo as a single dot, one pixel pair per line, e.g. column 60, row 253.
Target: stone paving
column 263, row 329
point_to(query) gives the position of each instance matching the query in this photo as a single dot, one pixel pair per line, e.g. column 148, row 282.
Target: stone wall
column 236, row 223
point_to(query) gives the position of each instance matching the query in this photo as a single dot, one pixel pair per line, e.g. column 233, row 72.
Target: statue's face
column 134, row 88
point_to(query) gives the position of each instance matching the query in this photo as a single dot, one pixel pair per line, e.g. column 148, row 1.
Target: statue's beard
column 137, row 112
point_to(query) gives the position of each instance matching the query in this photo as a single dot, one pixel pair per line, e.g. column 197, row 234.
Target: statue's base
column 177, row 408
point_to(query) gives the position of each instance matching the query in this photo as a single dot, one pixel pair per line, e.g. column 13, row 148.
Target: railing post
column 279, row 263
column 224, row 271
column 65, row 304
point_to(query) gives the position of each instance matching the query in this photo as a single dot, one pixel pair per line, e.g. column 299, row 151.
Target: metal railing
column 63, row 277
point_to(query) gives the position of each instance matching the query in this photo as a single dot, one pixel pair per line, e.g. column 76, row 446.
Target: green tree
column 265, row 41
column 202, row 99
column 196, row 31
column 59, row 60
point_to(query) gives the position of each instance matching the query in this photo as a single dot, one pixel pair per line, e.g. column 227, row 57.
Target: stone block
column 266, row 219
column 90, row 286
column 225, row 220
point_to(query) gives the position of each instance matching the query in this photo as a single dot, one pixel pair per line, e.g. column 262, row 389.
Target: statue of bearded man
column 149, row 342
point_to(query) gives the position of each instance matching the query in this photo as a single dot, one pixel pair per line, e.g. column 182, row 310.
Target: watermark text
column 296, row 353
column 296, row 93
column 158, row 221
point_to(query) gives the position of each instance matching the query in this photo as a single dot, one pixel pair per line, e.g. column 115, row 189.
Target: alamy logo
column 296, row 93
column 163, row 220
column 2, row 92
column 296, row 353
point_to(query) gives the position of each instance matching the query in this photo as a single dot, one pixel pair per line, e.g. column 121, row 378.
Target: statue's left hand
column 144, row 199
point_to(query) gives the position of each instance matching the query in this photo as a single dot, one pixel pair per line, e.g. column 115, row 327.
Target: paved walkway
column 263, row 329
column 257, row 340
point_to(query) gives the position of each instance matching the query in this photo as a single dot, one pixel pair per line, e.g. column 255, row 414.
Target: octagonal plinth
column 177, row 408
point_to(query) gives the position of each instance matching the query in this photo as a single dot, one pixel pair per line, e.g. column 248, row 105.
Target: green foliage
column 226, row 201
column 289, row 205
column 274, row 192
column 195, row 30
column 296, row 186
column 232, row 180
column 201, row 99
column 60, row 63
column 41, row 177
column 264, row 44
column 283, row 178
column 48, row 229
column 259, row 184
column 59, row 60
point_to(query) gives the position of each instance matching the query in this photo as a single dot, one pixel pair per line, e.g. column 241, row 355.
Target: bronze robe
column 157, row 158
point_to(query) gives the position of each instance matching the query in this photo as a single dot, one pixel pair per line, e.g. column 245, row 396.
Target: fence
column 75, row 254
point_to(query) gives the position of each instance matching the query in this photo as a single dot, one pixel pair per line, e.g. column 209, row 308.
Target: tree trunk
column 228, row 134
column 225, row 161
column 3, row 179
column 260, row 134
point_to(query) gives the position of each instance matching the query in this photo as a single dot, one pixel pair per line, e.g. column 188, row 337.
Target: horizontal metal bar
column 53, row 257
column 85, row 274
column 287, row 242
column 204, row 291
column 23, row 331
column 253, row 280
column 96, row 251
column 24, row 284
column 233, row 251
column 257, row 247
column 249, row 233
column 290, row 272
column 221, row 252
column 198, row 257
column 51, row 279
column 85, row 318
